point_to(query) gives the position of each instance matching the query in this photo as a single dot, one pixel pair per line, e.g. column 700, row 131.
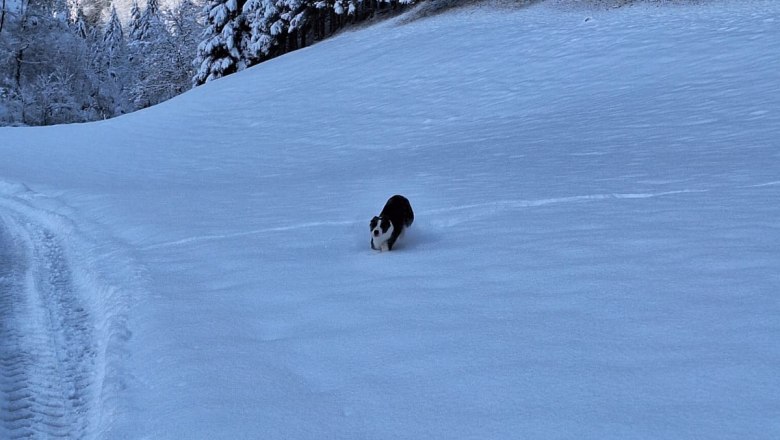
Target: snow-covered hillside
column 595, row 252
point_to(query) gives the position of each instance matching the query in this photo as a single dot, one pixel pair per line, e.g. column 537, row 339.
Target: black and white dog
column 390, row 223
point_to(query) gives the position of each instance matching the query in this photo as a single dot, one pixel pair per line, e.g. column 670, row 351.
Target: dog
column 396, row 216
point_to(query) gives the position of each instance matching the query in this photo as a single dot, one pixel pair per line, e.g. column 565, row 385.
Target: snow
column 594, row 253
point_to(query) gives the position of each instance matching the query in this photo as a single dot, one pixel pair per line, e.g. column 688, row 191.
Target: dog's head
column 381, row 229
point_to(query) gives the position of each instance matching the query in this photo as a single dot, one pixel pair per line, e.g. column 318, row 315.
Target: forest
column 63, row 61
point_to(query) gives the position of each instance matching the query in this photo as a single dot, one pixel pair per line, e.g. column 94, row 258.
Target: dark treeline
column 242, row 33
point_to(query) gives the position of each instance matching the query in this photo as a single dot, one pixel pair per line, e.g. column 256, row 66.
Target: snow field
column 593, row 254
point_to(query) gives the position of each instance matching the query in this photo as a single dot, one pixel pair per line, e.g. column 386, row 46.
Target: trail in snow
column 47, row 348
column 62, row 324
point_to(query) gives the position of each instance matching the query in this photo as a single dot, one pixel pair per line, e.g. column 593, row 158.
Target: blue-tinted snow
column 595, row 253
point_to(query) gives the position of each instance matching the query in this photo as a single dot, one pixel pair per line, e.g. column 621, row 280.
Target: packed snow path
column 46, row 345
column 62, row 323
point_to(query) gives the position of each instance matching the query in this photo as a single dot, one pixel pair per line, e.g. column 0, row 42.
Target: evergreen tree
column 148, row 55
column 162, row 57
column 134, row 25
column 185, row 27
column 111, row 66
column 261, row 16
column 224, row 50
column 113, row 37
column 79, row 24
column 294, row 22
column 239, row 37
column 150, row 25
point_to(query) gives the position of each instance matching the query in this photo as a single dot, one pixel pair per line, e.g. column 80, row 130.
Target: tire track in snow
column 47, row 346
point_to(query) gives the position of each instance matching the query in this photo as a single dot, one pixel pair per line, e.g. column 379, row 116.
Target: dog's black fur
column 397, row 214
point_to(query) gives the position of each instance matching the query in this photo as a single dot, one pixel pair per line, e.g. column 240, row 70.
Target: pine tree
column 134, row 26
column 111, row 67
column 184, row 23
column 150, row 24
column 149, row 49
column 162, row 56
column 95, row 11
column 261, row 16
column 224, row 50
column 295, row 14
column 113, row 37
column 277, row 27
column 79, row 24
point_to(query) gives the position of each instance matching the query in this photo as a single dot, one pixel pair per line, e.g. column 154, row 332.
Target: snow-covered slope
column 595, row 252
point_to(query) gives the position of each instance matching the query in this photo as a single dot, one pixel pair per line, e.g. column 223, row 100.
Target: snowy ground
column 595, row 253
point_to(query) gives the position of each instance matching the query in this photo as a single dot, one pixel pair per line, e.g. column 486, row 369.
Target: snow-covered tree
column 149, row 57
column 264, row 23
column 3, row 13
column 113, row 36
column 111, row 67
column 162, row 52
column 47, row 78
column 277, row 26
column 134, row 25
column 150, row 27
column 227, row 36
column 79, row 24
column 184, row 24
column 263, row 29
column 95, row 11
column 295, row 18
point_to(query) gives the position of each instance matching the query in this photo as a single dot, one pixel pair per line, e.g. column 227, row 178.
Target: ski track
column 47, row 345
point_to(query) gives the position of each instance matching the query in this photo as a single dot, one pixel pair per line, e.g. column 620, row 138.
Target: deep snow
column 594, row 253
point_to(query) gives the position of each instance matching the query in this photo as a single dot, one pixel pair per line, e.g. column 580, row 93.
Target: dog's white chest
column 379, row 239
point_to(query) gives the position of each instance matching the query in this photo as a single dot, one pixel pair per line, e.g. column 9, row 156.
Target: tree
column 265, row 29
column 113, row 37
column 147, row 61
column 79, row 24
column 295, row 22
column 54, row 69
column 46, row 80
column 3, row 11
column 263, row 19
column 150, row 26
column 111, row 67
column 162, row 56
column 224, row 50
column 184, row 23
column 94, row 10
column 134, row 25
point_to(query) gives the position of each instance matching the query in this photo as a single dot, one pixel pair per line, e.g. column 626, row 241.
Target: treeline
column 61, row 64
column 65, row 61
column 242, row 33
